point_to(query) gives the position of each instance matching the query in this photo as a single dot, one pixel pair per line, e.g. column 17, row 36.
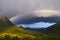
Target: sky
column 37, row 25
column 30, row 8
column 11, row 8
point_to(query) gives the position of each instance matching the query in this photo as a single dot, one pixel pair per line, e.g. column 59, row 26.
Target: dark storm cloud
column 44, row 19
column 32, row 20
column 11, row 8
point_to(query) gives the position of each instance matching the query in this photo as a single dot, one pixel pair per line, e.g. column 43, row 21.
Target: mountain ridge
column 6, row 24
column 10, row 31
column 54, row 29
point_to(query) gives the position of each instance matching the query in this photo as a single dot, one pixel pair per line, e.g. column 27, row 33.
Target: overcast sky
column 12, row 8
column 26, row 8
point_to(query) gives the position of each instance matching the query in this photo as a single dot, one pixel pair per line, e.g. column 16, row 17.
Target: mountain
column 8, row 28
column 9, row 31
column 36, row 29
column 4, row 24
column 53, row 29
column 4, row 21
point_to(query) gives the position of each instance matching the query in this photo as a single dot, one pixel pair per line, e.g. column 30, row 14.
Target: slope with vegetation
column 9, row 31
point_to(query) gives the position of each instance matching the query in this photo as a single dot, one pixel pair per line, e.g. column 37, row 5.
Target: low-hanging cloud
column 46, row 13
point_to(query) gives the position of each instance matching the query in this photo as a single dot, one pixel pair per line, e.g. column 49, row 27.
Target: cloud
column 11, row 8
column 34, row 19
column 46, row 13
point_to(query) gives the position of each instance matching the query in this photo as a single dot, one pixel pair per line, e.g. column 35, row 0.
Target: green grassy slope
column 7, row 26
column 9, row 31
